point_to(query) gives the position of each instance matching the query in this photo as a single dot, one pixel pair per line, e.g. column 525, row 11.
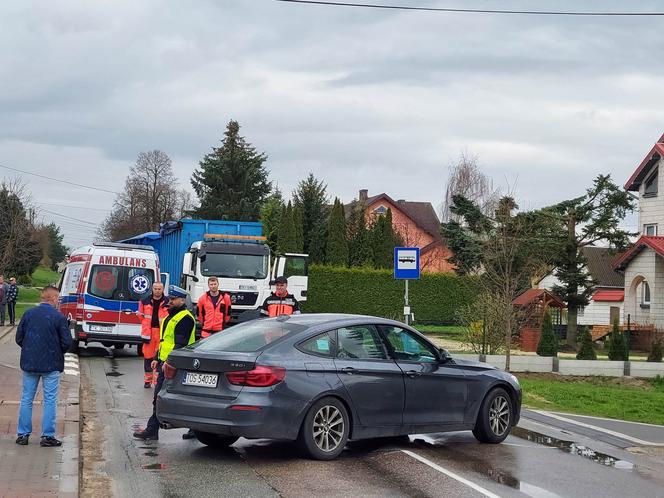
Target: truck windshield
column 235, row 265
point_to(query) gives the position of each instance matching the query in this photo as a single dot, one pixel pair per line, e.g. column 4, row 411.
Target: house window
column 650, row 229
column 580, row 311
column 645, row 296
column 650, row 188
column 380, row 210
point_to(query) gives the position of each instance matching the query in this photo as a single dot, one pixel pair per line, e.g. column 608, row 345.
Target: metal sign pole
column 406, row 308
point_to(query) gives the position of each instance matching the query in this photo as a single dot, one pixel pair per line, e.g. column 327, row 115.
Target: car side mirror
column 445, row 355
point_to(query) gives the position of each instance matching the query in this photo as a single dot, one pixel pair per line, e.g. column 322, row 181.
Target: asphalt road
column 541, row 460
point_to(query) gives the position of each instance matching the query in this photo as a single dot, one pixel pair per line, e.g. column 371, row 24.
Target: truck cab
column 245, row 270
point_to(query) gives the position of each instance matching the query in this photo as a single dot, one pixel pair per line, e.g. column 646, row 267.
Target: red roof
column 533, row 295
column 609, row 295
column 655, row 243
column 648, row 162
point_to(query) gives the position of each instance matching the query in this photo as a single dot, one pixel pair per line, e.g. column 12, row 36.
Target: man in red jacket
column 152, row 310
column 214, row 309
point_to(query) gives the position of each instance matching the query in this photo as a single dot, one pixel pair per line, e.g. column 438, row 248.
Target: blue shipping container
column 175, row 238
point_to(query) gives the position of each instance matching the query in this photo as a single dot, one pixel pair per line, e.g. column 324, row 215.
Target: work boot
column 146, row 435
column 147, row 385
column 189, row 435
column 23, row 439
column 49, row 441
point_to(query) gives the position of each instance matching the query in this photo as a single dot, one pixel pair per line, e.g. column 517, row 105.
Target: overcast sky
column 362, row 98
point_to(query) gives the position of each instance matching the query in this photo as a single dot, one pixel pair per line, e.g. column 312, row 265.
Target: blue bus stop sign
column 407, row 263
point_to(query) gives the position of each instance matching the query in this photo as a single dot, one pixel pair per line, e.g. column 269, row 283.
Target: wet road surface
column 538, row 460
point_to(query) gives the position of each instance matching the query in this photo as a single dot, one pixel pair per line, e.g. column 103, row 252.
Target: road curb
column 69, row 483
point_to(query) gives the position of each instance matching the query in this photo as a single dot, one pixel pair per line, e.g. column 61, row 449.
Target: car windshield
column 248, row 336
column 235, row 265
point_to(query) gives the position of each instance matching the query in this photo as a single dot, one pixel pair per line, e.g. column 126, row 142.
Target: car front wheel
column 325, row 429
column 214, row 440
column 494, row 419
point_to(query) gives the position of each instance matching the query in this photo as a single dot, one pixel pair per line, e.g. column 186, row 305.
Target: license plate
column 200, row 379
column 101, row 328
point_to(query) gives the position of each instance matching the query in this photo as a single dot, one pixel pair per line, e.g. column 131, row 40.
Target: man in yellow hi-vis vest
column 177, row 330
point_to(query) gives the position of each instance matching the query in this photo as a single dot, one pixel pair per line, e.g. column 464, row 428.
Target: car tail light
column 260, row 376
column 169, row 370
column 80, row 303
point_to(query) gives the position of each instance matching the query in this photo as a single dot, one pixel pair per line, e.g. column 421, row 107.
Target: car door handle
column 348, row 370
column 413, row 374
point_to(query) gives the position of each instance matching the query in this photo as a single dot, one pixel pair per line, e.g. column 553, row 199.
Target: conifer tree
column 586, row 351
column 286, row 240
column 337, row 245
column 548, row 343
column 271, row 218
column 618, row 348
column 383, row 241
column 359, row 242
column 299, row 233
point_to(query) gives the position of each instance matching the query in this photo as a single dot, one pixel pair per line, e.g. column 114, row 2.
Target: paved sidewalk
column 33, row 471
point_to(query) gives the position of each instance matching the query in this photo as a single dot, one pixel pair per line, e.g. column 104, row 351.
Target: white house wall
column 651, row 209
column 596, row 313
column 641, row 267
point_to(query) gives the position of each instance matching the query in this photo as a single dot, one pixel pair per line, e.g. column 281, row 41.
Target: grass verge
column 631, row 399
column 43, row 276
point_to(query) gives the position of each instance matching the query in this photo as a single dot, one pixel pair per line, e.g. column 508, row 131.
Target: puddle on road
column 113, row 373
column 572, row 448
column 154, row 466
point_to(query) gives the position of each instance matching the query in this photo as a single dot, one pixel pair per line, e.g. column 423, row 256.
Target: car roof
column 312, row 320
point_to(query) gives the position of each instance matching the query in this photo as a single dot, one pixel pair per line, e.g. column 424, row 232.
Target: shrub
column 548, row 343
column 586, row 351
column 24, row 280
column 656, row 350
column 484, row 324
column 433, row 298
column 618, row 349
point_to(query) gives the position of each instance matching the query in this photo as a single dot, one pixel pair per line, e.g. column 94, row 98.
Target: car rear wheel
column 325, row 429
column 494, row 420
column 214, row 440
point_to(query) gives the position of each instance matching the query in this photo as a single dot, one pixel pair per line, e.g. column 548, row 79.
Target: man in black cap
column 280, row 302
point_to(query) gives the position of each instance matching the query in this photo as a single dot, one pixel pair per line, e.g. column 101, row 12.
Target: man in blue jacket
column 44, row 337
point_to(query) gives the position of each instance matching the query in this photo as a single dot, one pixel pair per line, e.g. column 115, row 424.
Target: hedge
column 434, row 298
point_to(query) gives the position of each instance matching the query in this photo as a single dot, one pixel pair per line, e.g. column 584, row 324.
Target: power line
column 86, row 208
column 58, row 180
column 476, row 11
column 70, row 218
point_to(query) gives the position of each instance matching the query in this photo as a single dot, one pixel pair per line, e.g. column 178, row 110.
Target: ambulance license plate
column 101, row 328
column 200, row 379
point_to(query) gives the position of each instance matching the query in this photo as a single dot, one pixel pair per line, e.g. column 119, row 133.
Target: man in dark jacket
column 44, row 337
column 4, row 292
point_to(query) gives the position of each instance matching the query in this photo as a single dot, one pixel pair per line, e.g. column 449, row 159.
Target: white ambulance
column 100, row 290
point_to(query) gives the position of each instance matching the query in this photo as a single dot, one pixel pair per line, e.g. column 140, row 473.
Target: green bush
column 24, row 280
column 548, row 343
column 434, row 298
column 656, row 350
column 618, row 349
column 587, row 351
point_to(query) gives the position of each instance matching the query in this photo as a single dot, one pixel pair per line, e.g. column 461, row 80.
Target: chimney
column 364, row 195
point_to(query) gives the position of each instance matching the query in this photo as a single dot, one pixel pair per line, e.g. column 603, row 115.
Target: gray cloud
column 363, row 99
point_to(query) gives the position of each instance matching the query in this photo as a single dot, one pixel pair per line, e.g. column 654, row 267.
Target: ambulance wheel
column 139, row 349
column 214, row 440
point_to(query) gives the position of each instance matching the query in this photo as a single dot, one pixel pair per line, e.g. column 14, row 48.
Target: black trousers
column 147, row 365
column 153, row 423
column 11, row 307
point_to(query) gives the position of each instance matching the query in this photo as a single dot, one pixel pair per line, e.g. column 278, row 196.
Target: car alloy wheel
column 499, row 415
column 328, row 428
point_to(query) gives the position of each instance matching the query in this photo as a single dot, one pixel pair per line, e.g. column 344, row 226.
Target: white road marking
column 609, row 419
column 71, row 372
column 626, row 437
column 534, row 445
column 451, row 474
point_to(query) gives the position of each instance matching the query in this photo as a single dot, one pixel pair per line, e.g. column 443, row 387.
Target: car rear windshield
column 248, row 336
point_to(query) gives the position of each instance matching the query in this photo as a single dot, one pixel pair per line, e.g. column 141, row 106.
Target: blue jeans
column 50, row 382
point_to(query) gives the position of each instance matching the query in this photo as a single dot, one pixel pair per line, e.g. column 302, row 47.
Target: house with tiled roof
column 606, row 302
column 643, row 263
column 418, row 225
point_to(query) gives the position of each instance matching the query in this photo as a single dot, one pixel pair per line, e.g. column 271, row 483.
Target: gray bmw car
column 322, row 379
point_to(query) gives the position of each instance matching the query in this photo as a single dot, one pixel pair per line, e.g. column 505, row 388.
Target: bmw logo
column 197, row 364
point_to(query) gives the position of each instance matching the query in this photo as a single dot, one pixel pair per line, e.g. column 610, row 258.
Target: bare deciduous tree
column 150, row 197
column 466, row 179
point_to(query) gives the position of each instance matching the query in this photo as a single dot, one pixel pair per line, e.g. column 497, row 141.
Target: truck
column 236, row 252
